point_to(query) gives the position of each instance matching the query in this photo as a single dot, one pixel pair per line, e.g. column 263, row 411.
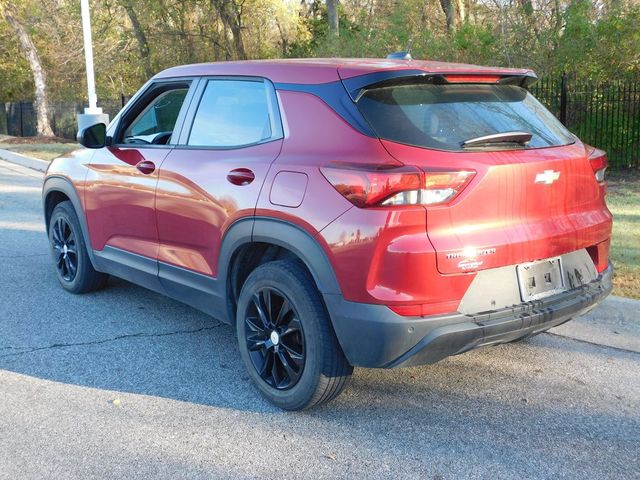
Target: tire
column 304, row 338
column 69, row 249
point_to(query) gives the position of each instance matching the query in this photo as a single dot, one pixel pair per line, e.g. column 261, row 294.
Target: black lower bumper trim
column 373, row 336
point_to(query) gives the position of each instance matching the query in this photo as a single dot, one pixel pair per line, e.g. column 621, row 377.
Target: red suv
column 339, row 213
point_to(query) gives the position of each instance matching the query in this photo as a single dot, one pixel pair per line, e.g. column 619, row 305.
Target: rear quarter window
column 444, row 116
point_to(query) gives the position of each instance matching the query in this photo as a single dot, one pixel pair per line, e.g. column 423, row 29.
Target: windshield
column 443, row 117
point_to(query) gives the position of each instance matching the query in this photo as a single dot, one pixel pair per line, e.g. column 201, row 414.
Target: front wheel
column 286, row 339
column 73, row 266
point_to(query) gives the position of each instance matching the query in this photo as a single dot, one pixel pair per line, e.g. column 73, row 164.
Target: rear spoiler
column 357, row 86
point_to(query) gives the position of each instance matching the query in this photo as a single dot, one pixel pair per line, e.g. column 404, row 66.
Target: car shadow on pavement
column 126, row 338
column 123, row 338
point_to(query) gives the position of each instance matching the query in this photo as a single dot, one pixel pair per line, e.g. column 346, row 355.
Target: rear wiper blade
column 505, row 137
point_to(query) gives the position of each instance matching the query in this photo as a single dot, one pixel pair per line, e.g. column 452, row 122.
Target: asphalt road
column 127, row 384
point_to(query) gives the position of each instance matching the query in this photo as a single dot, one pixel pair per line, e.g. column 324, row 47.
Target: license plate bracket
column 540, row 279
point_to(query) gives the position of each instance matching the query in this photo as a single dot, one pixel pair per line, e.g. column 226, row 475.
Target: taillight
column 599, row 162
column 457, row 78
column 367, row 186
column 441, row 187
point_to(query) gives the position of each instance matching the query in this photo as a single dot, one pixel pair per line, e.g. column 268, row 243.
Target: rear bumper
column 374, row 336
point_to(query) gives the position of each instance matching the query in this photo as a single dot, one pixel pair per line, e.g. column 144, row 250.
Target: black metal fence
column 605, row 115
column 19, row 118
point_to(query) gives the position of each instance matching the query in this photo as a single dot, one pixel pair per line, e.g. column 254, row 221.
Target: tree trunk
column 28, row 49
column 332, row 17
column 231, row 18
column 447, row 8
column 284, row 44
column 190, row 24
column 460, row 8
column 558, row 16
column 141, row 38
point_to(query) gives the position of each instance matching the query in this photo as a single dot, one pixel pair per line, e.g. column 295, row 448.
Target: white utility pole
column 88, row 58
column 93, row 114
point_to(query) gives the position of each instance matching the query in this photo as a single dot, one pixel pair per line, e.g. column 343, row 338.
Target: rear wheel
column 286, row 340
column 73, row 266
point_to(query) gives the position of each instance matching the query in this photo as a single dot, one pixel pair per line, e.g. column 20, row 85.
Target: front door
column 123, row 176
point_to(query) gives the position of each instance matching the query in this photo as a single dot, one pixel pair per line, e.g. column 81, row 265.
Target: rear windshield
column 444, row 116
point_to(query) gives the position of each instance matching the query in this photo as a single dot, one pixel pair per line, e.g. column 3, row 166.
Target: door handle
column 146, row 167
column 241, row 176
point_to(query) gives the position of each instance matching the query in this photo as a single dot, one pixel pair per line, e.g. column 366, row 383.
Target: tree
column 30, row 53
column 136, row 38
column 455, row 12
column 461, row 11
column 449, row 12
column 141, row 38
column 231, row 15
column 332, row 17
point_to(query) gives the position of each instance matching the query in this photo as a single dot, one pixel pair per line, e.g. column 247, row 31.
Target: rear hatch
column 533, row 195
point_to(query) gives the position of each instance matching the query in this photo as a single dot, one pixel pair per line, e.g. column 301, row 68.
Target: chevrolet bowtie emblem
column 547, row 177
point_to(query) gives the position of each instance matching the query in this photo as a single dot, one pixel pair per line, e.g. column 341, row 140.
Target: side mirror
column 94, row 136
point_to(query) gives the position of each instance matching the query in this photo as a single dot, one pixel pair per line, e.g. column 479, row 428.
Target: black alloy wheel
column 274, row 338
column 286, row 339
column 65, row 248
column 74, row 269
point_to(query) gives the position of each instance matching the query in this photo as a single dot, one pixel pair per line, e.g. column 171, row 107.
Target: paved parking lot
column 124, row 383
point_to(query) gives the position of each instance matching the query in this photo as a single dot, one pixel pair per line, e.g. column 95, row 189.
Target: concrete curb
column 615, row 323
column 629, row 301
column 23, row 160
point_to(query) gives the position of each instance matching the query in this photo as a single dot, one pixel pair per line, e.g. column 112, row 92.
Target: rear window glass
column 444, row 116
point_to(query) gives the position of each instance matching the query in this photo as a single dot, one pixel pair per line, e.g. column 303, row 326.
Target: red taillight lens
column 598, row 160
column 367, row 186
column 422, row 310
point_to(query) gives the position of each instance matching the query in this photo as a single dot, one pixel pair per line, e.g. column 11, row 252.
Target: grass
column 40, row 150
column 623, row 199
column 44, row 148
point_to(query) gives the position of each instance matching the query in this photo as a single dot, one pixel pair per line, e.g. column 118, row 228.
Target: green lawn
column 623, row 200
column 42, row 151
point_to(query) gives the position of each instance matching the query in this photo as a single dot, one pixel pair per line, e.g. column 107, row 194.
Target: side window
column 235, row 113
column 155, row 123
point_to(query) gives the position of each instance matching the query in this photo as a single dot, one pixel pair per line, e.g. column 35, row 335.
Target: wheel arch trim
column 283, row 234
column 63, row 185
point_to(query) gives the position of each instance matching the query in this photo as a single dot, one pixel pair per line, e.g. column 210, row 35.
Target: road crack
column 620, row 349
column 27, row 350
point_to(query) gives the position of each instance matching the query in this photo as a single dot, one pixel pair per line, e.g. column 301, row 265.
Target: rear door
column 214, row 175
